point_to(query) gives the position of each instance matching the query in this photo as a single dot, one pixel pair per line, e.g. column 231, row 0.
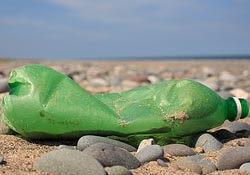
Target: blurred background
column 117, row 45
column 109, row 46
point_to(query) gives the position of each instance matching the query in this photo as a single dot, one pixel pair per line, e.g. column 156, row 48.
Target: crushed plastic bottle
column 44, row 103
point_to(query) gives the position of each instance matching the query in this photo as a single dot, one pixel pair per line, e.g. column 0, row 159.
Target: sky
column 75, row 29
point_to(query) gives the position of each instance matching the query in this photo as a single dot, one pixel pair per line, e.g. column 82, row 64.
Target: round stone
column 233, row 158
column 206, row 165
column 117, row 170
column 189, row 164
column 4, row 87
column 247, row 143
column 237, row 126
column 88, row 140
column 66, row 147
column 245, row 167
column 1, row 160
column 150, row 153
column 208, row 143
column 109, row 155
column 68, row 162
column 4, row 129
column 178, row 150
column 162, row 163
column 144, row 143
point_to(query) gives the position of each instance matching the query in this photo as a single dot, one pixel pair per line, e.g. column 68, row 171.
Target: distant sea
column 141, row 58
column 148, row 58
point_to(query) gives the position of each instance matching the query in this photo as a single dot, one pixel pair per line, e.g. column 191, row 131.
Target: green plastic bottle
column 44, row 103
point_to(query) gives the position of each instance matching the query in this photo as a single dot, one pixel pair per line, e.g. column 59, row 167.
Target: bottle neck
column 237, row 108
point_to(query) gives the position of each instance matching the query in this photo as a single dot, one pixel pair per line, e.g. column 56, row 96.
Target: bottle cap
column 239, row 108
column 242, row 108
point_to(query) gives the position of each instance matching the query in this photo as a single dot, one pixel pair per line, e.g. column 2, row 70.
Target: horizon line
column 218, row 56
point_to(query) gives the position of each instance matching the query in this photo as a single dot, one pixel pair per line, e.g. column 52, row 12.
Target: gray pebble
column 206, row 165
column 117, row 170
column 4, row 129
column 247, row 143
column 99, row 82
column 153, row 79
column 69, row 162
column 189, row 164
column 1, row 160
column 109, row 155
column 88, row 140
column 162, row 163
column 66, row 147
column 208, row 71
column 208, row 143
column 233, row 157
column 227, row 86
column 237, row 126
column 245, row 167
column 178, row 150
column 233, row 127
column 196, row 158
column 150, row 153
column 227, row 76
column 115, row 81
column 4, row 87
column 144, row 143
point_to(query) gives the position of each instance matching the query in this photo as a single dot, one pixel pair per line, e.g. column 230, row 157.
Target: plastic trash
column 44, row 103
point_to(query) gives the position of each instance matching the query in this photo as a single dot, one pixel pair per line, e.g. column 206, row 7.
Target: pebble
column 162, row 163
column 1, row 160
column 66, row 147
column 233, row 158
column 196, row 158
column 206, row 165
column 247, row 143
column 144, row 143
column 129, row 84
column 115, row 81
column 140, row 78
column 150, row 153
column 189, row 164
column 99, row 82
column 4, row 129
column 236, row 126
column 178, row 150
column 208, row 71
column 109, row 155
column 4, row 87
column 227, row 86
column 153, row 79
column 240, row 93
column 117, row 170
column 88, row 140
column 245, row 167
column 227, row 76
column 66, row 161
column 208, row 143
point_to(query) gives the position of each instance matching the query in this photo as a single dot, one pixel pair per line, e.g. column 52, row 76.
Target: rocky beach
column 221, row 150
